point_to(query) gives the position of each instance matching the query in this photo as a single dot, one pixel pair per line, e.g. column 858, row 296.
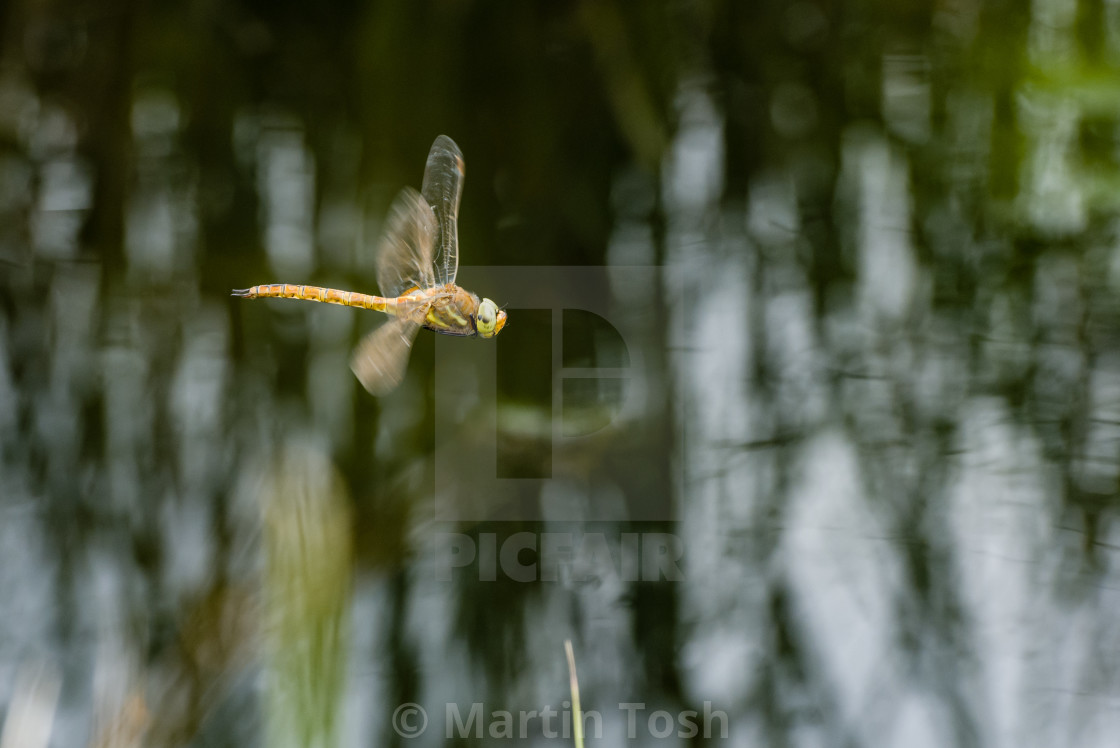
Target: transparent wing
column 442, row 188
column 380, row 360
column 404, row 255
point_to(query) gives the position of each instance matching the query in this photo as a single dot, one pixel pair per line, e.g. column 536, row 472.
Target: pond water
column 804, row 429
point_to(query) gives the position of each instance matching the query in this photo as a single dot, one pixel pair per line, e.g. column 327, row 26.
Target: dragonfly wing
column 442, row 188
column 404, row 256
column 381, row 357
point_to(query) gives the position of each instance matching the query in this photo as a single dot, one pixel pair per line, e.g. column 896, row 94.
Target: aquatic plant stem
column 577, row 730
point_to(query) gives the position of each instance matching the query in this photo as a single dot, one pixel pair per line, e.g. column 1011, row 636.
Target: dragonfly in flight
column 417, row 260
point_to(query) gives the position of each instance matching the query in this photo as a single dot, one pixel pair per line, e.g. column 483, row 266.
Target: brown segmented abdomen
column 318, row 293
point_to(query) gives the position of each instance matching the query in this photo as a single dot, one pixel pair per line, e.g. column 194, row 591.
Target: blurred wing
column 380, row 360
column 404, row 256
column 442, row 188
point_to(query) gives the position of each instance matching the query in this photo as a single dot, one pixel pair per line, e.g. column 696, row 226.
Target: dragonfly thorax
column 453, row 310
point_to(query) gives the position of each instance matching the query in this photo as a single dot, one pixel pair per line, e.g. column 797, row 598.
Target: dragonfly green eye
column 489, row 320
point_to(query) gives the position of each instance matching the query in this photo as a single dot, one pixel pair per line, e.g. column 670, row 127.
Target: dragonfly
column 417, row 260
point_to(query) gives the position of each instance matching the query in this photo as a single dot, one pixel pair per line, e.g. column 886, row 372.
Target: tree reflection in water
column 879, row 404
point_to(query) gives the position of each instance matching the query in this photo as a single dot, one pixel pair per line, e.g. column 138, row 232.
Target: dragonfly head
column 489, row 320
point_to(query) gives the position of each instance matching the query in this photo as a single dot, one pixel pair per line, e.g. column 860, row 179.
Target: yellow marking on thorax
column 446, row 317
column 435, row 320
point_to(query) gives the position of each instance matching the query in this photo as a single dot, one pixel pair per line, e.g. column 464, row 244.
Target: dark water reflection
column 808, row 411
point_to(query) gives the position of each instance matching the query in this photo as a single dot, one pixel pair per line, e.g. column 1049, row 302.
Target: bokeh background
column 875, row 255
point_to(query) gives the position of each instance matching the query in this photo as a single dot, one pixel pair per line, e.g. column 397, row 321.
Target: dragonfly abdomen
column 314, row 293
